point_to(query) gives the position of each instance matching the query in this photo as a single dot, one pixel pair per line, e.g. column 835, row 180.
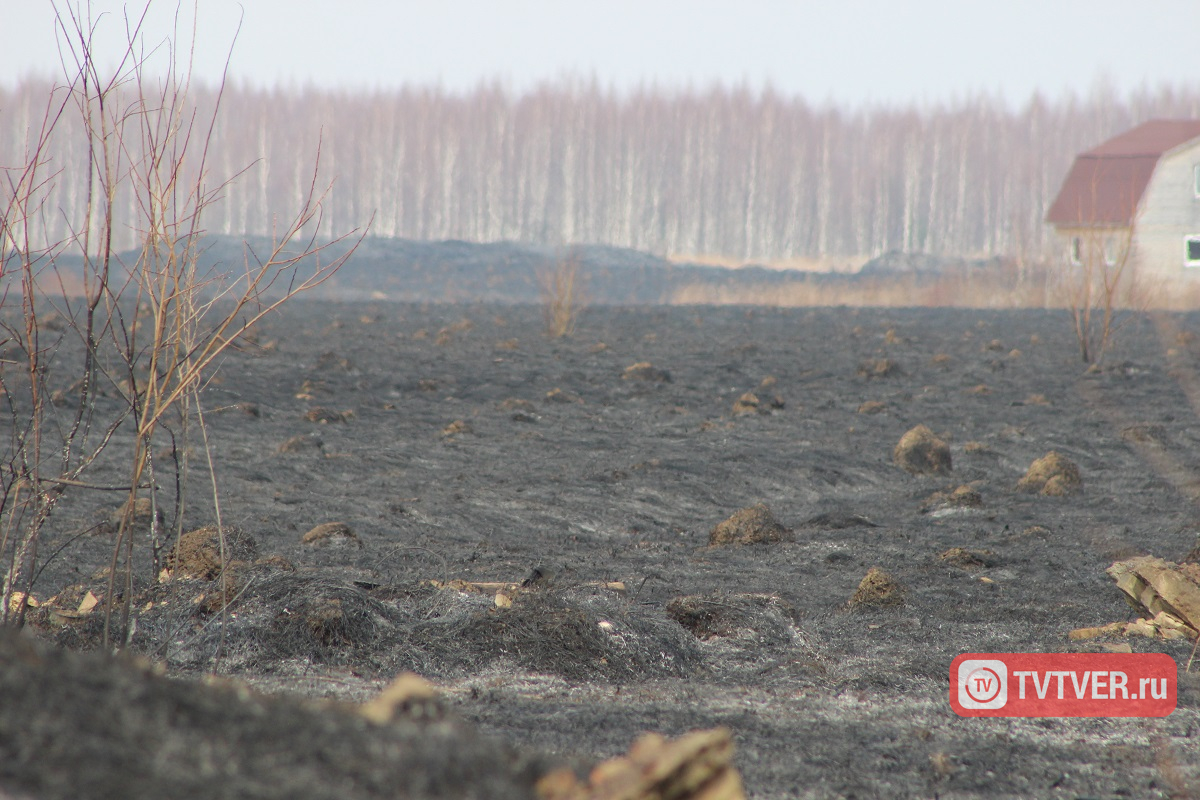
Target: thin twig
column 96, row 486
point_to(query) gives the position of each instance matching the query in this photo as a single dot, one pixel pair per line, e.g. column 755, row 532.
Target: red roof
column 1105, row 184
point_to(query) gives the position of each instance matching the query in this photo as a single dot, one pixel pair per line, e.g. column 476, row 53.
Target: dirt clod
column 331, row 534
column 326, row 416
column 302, row 444
column 878, row 368
column 456, row 428
column 562, row 396
column 645, row 371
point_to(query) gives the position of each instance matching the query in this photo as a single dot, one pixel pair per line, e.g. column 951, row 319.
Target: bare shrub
column 1099, row 281
column 149, row 327
column 562, row 295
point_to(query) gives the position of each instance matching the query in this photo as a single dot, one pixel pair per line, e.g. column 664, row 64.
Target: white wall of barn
column 1169, row 215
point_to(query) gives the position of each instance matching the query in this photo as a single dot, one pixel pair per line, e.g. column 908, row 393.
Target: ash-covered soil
column 460, row 446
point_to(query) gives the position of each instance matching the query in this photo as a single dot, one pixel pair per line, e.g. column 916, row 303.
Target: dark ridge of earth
column 613, row 479
column 415, row 271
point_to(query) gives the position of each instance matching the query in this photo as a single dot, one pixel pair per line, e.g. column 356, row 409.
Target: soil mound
column 289, row 620
column 754, row 525
column 957, row 499
column 966, row 559
column 1053, row 475
column 749, row 632
column 877, row 589
column 751, row 403
column 717, row 614
column 645, row 371
column 581, row 634
column 920, row 452
column 202, row 555
column 748, row 403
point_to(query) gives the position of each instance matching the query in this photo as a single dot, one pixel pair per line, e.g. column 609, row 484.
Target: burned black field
column 463, row 452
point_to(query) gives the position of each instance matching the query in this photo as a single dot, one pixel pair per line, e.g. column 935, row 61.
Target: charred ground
column 459, row 445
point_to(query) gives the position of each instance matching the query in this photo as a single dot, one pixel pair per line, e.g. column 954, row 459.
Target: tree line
column 750, row 175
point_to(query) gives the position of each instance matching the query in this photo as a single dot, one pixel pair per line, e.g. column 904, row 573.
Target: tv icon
column 982, row 684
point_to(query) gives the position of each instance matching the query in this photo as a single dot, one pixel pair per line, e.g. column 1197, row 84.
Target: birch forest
column 746, row 175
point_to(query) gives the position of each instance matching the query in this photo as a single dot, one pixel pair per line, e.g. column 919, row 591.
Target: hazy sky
column 846, row 51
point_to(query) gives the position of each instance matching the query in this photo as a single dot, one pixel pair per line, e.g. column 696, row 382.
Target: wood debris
column 1167, row 595
column 409, row 696
column 697, row 766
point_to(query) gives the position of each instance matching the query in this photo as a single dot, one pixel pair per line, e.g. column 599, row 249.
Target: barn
column 1135, row 199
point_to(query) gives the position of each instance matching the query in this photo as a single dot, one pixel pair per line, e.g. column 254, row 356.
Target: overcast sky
column 850, row 52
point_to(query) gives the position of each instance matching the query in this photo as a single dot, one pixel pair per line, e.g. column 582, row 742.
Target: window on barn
column 1077, row 251
column 1192, row 252
column 1110, row 251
